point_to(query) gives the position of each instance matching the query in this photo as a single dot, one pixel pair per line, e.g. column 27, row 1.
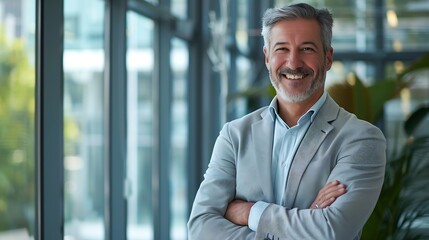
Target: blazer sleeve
column 216, row 191
column 360, row 164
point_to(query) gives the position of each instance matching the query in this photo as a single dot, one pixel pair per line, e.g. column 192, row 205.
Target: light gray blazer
column 336, row 146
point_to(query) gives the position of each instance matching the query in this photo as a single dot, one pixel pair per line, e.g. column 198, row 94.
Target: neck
column 290, row 112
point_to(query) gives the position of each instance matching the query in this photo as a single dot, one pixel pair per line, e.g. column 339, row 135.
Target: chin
column 295, row 98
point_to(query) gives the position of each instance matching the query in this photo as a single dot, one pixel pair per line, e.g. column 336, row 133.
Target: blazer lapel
column 314, row 137
column 262, row 134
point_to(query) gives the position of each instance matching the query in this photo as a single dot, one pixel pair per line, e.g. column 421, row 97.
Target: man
column 281, row 171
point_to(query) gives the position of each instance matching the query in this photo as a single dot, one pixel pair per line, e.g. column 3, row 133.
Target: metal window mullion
column 163, row 121
column 49, row 120
column 194, row 93
column 115, row 120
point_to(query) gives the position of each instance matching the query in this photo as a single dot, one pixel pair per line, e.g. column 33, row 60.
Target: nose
column 294, row 60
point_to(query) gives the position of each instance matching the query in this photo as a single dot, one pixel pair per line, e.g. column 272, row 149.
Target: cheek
column 275, row 63
column 317, row 64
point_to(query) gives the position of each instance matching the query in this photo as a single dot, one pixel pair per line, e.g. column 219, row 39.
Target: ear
column 266, row 53
column 329, row 58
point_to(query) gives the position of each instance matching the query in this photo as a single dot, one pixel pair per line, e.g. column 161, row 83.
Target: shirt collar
column 273, row 108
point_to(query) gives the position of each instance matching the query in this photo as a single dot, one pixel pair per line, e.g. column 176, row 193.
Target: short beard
column 318, row 82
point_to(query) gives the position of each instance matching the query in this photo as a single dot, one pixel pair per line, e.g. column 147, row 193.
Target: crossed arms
column 223, row 202
column 238, row 211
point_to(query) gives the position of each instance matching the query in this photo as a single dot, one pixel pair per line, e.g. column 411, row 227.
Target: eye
column 308, row 49
column 281, row 49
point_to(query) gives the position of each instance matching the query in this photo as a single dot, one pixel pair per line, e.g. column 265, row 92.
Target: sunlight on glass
column 179, row 139
column 83, row 120
column 140, row 219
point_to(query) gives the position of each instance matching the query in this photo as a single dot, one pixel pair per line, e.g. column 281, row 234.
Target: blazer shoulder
column 351, row 122
column 348, row 123
column 250, row 118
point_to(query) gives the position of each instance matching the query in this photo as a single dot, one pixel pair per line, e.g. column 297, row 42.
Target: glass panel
column 398, row 109
column 179, row 8
column 17, row 106
column 353, row 23
column 243, row 73
column 340, row 70
column 83, row 119
column 151, row 1
column 406, row 25
column 242, row 33
column 140, row 58
column 179, row 140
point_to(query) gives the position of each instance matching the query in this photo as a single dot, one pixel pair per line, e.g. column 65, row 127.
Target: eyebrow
column 304, row 43
column 310, row 43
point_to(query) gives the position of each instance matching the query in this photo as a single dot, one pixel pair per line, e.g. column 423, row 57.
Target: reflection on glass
column 179, row 8
column 243, row 82
column 242, row 33
column 151, row 1
column 17, row 106
column 140, row 126
column 83, row 120
column 406, row 25
column 341, row 70
column 179, row 140
column 397, row 110
column 353, row 23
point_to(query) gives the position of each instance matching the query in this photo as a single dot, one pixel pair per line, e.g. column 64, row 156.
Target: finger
column 331, row 190
column 329, row 198
column 327, row 187
column 333, row 193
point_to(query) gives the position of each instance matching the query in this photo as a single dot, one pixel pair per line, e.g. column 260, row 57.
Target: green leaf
column 361, row 99
column 415, row 119
column 420, row 64
column 379, row 93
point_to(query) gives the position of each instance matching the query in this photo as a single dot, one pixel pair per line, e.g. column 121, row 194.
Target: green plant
column 17, row 106
column 367, row 101
column 404, row 197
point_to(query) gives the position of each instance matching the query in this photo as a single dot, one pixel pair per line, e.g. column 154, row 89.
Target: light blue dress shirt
column 285, row 144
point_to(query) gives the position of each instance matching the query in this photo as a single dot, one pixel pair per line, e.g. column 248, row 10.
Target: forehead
column 296, row 30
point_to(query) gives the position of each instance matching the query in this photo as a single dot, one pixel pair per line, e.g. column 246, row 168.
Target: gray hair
column 300, row 10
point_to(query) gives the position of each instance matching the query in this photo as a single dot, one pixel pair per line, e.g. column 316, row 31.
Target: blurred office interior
column 109, row 108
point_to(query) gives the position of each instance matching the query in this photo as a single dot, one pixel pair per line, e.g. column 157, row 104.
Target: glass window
column 340, row 71
column 83, row 119
column 151, row 1
column 406, row 25
column 398, row 109
column 17, row 115
column 353, row 23
column 140, row 122
column 243, row 81
column 242, row 33
column 179, row 140
column 179, row 8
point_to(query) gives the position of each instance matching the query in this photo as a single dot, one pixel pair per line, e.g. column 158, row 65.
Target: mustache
column 300, row 70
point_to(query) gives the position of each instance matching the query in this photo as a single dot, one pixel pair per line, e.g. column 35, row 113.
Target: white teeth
column 292, row 76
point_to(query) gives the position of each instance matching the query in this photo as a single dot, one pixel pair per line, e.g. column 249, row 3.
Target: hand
column 238, row 212
column 328, row 194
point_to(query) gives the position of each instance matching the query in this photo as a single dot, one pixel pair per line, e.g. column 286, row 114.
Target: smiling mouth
column 294, row 76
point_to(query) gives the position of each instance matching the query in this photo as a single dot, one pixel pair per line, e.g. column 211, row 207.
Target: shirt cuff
column 256, row 213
